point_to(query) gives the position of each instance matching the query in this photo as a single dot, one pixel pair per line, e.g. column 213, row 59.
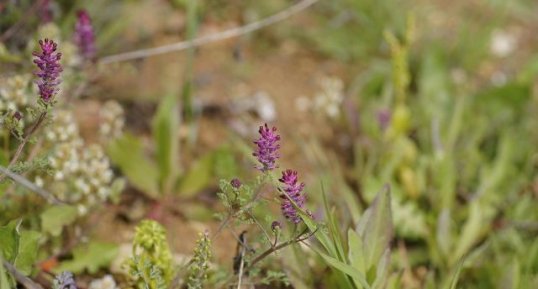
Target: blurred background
column 436, row 98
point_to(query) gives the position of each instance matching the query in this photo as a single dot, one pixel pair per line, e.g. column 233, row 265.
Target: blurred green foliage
column 459, row 148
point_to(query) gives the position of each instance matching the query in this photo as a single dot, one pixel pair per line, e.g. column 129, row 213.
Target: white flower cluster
column 112, row 119
column 81, row 172
column 14, row 93
column 107, row 282
column 329, row 99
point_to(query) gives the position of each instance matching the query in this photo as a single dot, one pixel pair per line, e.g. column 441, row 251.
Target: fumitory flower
column 84, row 37
column 48, row 62
column 267, row 148
column 293, row 190
column 65, row 280
column 236, row 183
column 276, row 225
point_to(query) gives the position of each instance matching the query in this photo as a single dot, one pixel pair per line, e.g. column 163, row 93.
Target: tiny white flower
column 502, row 43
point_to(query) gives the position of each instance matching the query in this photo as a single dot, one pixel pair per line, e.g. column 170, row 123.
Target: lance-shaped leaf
column 28, row 248
column 4, row 277
column 165, row 134
column 9, row 240
column 127, row 152
column 375, row 228
column 54, row 219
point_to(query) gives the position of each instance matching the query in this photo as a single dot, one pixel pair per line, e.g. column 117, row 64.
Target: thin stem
column 241, row 266
column 26, row 139
column 261, row 227
column 230, row 33
column 30, row 186
column 25, row 281
column 278, row 247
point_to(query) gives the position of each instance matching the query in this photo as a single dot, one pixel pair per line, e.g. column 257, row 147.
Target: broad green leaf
column 27, row 253
column 165, row 135
column 55, row 218
column 444, row 232
column 197, row 178
column 382, row 270
column 472, row 230
column 10, row 240
column 4, row 277
column 320, row 234
column 375, row 228
column 358, row 277
column 355, row 253
column 127, row 152
column 91, row 257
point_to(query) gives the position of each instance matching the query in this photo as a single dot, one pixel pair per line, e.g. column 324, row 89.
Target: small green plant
column 151, row 264
column 199, row 265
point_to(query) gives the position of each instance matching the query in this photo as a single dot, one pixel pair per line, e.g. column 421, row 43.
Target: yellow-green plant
column 150, row 266
column 200, row 262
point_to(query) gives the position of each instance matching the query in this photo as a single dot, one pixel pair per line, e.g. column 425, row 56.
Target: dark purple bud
column 84, row 36
column 267, row 148
column 293, row 190
column 276, row 225
column 48, row 62
column 65, row 280
column 17, row 115
column 236, row 183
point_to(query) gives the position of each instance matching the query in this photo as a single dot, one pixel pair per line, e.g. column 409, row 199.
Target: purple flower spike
column 84, row 37
column 65, row 280
column 267, row 148
column 45, row 11
column 294, row 191
column 48, row 62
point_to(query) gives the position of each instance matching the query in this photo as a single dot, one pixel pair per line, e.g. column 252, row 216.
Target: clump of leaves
column 151, row 264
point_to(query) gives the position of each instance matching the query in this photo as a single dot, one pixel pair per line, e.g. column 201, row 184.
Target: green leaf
column 456, row 275
column 334, row 231
column 27, row 253
column 375, row 228
column 198, row 177
column 320, row 234
column 355, row 253
column 472, row 230
column 91, row 257
column 4, row 277
column 165, row 134
column 382, row 270
column 128, row 154
column 9, row 240
column 358, row 277
column 55, row 218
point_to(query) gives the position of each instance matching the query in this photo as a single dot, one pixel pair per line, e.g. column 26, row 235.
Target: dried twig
column 25, row 281
column 242, row 264
column 30, row 186
column 230, row 33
